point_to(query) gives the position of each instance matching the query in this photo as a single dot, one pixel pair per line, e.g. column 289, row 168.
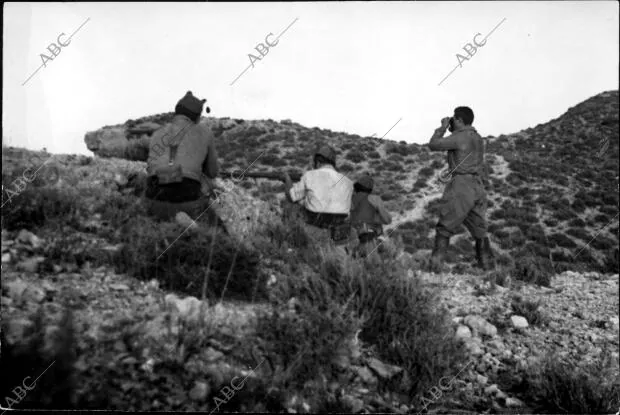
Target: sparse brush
column 530, row 310
column 179, row 258
column 562, row 386
column 533, row 269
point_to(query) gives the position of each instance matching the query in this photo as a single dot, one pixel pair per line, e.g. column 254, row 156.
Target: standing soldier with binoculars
column 464, row 199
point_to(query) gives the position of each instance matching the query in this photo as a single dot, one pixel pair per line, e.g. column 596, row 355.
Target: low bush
column 204, row 259
column 560, row 385
column 530, row 310
column 533, row 269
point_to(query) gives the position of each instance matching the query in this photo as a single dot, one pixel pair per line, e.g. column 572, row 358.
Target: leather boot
column 484, row 255
column 439, row 252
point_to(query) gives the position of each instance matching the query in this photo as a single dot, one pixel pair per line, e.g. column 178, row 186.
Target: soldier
column 464, row 198
column 368, row 215
column 325, row 198
column 179, row 154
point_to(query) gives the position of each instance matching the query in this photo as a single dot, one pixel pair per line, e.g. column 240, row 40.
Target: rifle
column 241, row 174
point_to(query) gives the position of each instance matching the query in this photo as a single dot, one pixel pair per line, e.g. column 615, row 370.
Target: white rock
column 513, row 403
column 519, row 322
column 463, row 332
column 200, row 391
column 119, row 287
column 6, row 258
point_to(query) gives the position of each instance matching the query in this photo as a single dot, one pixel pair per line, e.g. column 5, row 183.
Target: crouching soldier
column 325, row 199
column 368, row 215
column 464, row 199
column 179, row 154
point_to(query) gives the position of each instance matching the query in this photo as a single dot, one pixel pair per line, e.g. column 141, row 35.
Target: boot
column 484, row 255
column 439, row 252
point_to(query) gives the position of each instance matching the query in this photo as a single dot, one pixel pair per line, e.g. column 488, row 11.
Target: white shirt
column 324, row 190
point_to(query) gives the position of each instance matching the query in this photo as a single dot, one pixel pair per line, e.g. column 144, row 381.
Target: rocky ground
column 581, row 320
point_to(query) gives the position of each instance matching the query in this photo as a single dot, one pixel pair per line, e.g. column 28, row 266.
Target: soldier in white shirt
column 325, row 196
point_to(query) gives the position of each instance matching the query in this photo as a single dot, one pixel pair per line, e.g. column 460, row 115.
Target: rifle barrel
column 239, row 174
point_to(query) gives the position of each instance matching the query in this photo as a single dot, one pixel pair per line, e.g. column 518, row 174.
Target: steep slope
column 553, row 188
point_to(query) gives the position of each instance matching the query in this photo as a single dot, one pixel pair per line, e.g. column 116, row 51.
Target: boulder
column 384, row 370
column 200, row 391
column 480, row 326
column 519, row 322
column 462, row 332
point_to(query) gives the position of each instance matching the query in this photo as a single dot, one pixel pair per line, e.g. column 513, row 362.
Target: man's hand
column 445, row 122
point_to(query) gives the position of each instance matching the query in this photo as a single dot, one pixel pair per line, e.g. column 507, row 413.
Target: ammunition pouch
column 169, row 174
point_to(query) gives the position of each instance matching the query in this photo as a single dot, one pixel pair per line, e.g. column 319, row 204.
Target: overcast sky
column 354, row 67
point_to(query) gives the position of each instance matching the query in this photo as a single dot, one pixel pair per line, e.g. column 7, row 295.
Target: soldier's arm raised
column 438, row 143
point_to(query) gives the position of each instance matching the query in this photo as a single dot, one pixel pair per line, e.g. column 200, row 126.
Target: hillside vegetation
column 113, row 309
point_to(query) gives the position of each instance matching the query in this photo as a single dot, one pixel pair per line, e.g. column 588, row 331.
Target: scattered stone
column 474, row 346
column 183, row 219
column 480, row 325
column 18, row 329
column 519, row 322
column 30, row 238
column 212, row 355
column 15, row 289
column 491, row 390
column 354, row 404
column 614, row 322
column 463, row 332
column 188, row 308
column 482, row 380
column 119, row 287
column 366, row 375
column 513, row 403
column 30, row 265
column 200, row 391
column 384, row 370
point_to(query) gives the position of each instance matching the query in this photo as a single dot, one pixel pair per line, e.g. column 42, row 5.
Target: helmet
column 327, row 152
column 366, row 181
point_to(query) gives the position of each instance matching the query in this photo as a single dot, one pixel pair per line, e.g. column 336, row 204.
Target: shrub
column 419, row 184
column 399, row 317
column 561, row 240
column 530, row 310
column 355, row 156
column 533, row 269
column 185, row 260
column 35, row 207
column 55, row 390
column 569, row 386
column 374, row 154
column 426, row 172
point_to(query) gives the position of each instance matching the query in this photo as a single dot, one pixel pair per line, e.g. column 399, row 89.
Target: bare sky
column 354, row 67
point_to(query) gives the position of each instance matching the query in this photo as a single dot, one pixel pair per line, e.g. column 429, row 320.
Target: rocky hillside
column 553, row 189
column 108, row 308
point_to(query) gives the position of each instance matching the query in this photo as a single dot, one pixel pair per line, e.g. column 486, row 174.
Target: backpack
column 172, row 173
